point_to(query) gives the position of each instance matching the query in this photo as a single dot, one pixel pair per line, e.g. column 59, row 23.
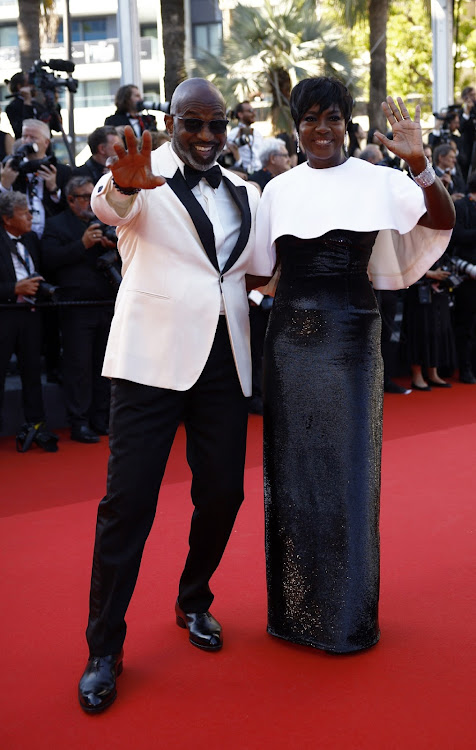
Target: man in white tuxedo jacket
column 178, row 351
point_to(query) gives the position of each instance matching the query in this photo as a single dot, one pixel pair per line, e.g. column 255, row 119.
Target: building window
column 148, row 29
column 207, row 38
column 85, row 30
column 95, row 94
column 8, row 36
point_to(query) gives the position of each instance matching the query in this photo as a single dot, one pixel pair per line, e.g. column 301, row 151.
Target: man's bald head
column 191, row 89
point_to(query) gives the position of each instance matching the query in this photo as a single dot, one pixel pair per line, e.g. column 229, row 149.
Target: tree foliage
column 270, row 49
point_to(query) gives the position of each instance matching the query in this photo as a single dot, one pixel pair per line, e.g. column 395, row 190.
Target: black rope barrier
column 59, row 303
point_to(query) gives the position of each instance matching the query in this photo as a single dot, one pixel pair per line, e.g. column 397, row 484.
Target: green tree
column 409, row 52
column 270, row 49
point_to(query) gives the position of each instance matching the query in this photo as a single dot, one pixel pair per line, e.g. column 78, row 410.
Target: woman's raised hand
column 407, row 140
column 131, row 167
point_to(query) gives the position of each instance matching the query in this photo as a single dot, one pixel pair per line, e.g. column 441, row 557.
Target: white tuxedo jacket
column 168, row 304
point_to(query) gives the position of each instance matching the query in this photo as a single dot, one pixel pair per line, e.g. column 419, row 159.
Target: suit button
column 221, row 279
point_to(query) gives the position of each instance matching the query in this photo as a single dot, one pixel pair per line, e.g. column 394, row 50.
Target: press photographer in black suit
column 72, row 244
column 25, row 106
column 20, row 329
column 463, row 245
column 128, row 98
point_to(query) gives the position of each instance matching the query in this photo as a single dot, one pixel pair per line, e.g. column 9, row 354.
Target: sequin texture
column 323, row 388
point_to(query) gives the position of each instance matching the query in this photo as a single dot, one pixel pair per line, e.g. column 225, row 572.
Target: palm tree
column 173, row 37
column 375, row 13
column 28, row 32
column 270, row 49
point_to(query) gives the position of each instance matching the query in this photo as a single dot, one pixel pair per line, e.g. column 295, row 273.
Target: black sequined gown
column 323, row 389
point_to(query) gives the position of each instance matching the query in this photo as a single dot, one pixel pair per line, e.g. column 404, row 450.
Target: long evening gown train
column 323, row 388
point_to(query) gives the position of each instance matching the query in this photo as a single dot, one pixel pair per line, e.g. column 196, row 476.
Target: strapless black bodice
column 322, row 431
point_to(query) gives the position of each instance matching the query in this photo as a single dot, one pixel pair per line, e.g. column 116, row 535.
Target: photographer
column 128, row 103
column 447, row 169
column 25, row 106
column 463, row 245
column 74, row 244
column 447, row 125
column 467, row 129
column 21, row 328
column 37, row 175
column 248, row 139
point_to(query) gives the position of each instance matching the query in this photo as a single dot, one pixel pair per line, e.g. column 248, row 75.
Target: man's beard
column 188, row 158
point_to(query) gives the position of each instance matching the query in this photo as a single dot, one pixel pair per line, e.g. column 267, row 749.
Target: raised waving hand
column 131, row 168
column 407, row 140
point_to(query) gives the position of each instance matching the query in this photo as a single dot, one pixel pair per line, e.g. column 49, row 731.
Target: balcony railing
column 83, row 53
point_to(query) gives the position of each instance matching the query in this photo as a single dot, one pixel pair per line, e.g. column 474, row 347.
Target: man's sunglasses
column 194, row 125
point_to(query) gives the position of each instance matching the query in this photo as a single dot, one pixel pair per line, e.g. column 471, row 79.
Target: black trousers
column 465, row 324
column 143, row 424
column 21, row 333
column 84, row 335
column 258, row 324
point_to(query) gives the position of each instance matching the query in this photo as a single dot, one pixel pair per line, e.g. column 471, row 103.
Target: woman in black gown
column 323, row 381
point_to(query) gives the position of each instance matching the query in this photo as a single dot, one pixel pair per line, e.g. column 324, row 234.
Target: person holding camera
column 21, row 327
column 74, row 243
column 467, row 116
column 36, row 174
column 447, row 169
column 129, row 103
column 463, row 245
column 23, row 106
column 247, row 138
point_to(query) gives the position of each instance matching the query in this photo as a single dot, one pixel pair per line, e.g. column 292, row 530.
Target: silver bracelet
column 425, row 178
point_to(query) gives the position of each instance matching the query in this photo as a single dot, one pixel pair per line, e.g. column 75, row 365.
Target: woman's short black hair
column 322, row 91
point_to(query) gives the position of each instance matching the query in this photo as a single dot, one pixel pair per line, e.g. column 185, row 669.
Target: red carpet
column 414, row 691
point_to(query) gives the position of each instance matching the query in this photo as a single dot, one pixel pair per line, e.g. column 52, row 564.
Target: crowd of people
column 203, row 248
column 428, row 331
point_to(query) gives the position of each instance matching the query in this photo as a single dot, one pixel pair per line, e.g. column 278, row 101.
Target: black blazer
column 69, row 263
column 91, row 169
column 8, row 277
column 119, row 119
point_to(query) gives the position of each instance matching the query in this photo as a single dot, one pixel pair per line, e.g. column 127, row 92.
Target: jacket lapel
column 240, row 196
column 203, row 224
column 198, row 216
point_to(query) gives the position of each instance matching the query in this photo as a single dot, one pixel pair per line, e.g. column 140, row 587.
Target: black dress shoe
column 203, row 630
column 420, row 387
column 97, row 686
column 466, row 376
column 391, row 387
column 100, row 428
column 434, row 384
column 84, row 434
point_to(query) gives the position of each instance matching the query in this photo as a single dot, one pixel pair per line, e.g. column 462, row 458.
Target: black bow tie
column 193, row 176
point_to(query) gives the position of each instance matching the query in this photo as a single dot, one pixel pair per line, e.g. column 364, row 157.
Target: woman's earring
column 298, row 150
column 346, row 143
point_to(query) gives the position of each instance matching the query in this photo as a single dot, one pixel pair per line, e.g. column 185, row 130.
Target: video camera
column 48, row 82
column 20, row 163
column 446, row 115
